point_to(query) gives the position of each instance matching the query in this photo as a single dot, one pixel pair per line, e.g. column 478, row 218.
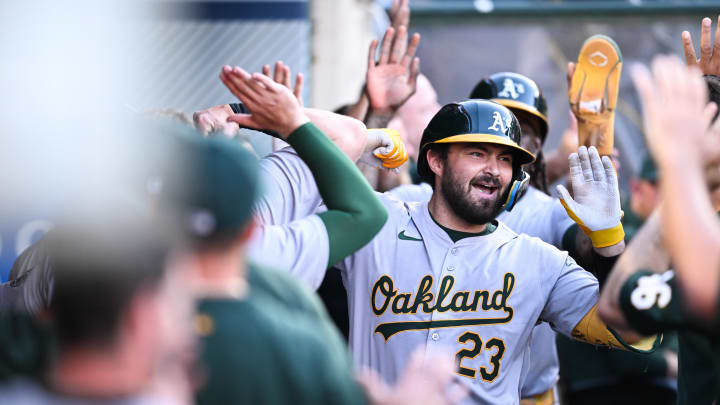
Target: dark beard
column 472, row 212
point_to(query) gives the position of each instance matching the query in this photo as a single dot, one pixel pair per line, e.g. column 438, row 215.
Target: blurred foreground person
column 113, row 316
column 642, row 294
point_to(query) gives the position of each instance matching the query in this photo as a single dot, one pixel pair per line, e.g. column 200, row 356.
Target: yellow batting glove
column 387, row 146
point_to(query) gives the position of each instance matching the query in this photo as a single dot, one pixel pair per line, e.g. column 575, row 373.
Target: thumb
column 243, row 120
column 565, row 195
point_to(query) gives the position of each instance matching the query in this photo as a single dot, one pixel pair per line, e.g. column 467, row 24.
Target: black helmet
column 477, row 121
column 515, row 91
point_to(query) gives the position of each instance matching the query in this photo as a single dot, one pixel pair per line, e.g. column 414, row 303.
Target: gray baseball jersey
column 412, row 286
column 296, row 238
column 535, row 214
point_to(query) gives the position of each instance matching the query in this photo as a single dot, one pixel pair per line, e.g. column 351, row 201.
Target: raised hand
column 273, row 106
column 283, row 76
column 424, row 381
column 676, row 112
column 399, row 14
column 214, row 119
column 393, row 79
column 596, row 203
column 709, row 62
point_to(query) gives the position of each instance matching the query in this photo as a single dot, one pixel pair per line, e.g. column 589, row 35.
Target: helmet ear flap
column 517, row 190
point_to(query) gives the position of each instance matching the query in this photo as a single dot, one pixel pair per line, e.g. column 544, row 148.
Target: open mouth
column 485, row 188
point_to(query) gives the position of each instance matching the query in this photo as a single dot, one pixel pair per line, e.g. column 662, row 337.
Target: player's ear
column 436, row 160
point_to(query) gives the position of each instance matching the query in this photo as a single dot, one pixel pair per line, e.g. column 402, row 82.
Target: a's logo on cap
column 511, row 89
column 498, row 124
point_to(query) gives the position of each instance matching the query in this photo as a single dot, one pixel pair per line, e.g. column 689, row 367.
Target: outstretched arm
column 354, row 213
column 675, row 102
column 645, row 252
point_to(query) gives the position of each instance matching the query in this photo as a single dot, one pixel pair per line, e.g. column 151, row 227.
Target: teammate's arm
column 646, row 251
column 354, row 213
column 675, row 102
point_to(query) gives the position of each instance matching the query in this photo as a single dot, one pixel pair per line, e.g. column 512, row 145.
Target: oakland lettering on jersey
column 384, row 296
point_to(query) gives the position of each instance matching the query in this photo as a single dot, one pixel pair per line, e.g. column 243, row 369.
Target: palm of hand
column 597, row 203
column 388, row 86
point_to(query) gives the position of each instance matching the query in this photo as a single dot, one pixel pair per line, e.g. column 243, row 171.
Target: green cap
column 209, row 185
column 648, row 170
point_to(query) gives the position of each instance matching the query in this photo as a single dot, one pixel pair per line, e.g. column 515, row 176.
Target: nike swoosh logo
column 402, row 236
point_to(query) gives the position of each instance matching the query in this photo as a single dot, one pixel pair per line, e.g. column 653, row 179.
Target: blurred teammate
column 642, row 294
column 114, row 316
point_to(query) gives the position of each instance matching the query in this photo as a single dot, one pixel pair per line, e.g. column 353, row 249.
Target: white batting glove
column 596, row 207
column 384, row 149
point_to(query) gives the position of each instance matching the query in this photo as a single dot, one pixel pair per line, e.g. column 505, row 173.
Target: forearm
column 354, row 213
column 645, row 252
column 598, row 260
column 348, row 134
column 378, row 118
column 692, row 233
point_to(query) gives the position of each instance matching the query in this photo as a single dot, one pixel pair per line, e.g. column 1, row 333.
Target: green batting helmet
column 477, row 121
column 516, row 92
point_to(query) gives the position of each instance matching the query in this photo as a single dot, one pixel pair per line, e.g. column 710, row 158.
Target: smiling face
column 473, row 178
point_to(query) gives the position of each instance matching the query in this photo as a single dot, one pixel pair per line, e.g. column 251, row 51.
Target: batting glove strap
column 600, row 238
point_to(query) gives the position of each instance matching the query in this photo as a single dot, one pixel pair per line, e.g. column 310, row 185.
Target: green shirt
column 273, row 348
column 698, row 366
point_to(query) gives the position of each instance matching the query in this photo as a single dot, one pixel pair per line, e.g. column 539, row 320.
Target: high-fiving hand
column 393, row 79
column 596, row 206
column 676, row 112
column 709, row 62
column 273, row 106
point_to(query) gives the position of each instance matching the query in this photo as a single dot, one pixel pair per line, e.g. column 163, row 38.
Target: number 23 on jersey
column 474, row 345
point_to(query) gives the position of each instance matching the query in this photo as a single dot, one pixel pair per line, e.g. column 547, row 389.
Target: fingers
column 412, row 47
column 598, row 171
column 266, row 70
column 643, row 84
column 243, row 120
column 584, row 158
column 263, row 83
column 565, row 195
column 705, row 42
column 371, row 54
column 386, row 46
column 689, row 49
column 399, row 45
column 297, row 91
column 570, row 73
column 610, row 173
column 278, row 77
column 236, row 80
column 287, row 77
column 400, row 13
column 414, row 72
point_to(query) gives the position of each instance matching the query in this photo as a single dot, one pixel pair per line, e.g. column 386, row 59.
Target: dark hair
column 713, row 83
column 99, row 269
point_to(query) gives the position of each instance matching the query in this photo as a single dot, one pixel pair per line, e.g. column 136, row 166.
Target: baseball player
column 447, row 273
column 535, row 214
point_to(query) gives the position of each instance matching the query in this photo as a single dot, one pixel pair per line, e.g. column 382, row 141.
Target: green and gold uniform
column 652, row 303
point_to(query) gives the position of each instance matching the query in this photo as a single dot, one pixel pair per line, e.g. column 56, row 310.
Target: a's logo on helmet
column 498, row 124
column 511, row 89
